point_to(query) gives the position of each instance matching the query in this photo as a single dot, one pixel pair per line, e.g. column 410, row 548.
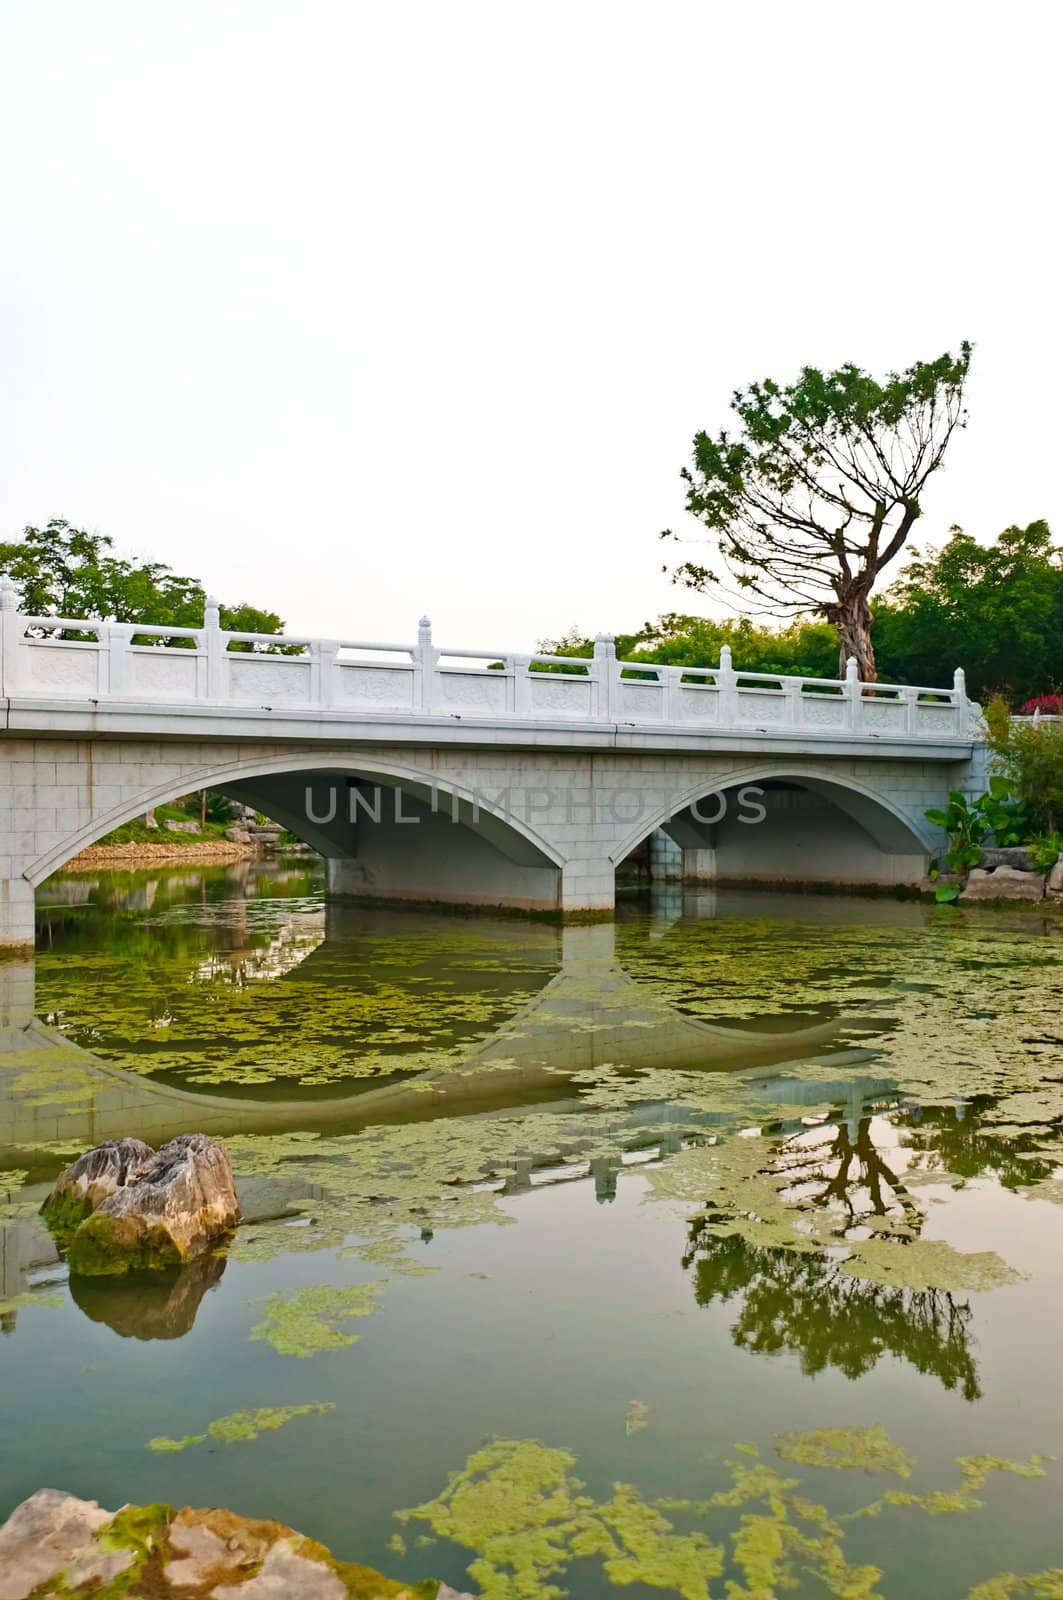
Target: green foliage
column 969, row 823
column 819, row 489
column 1029, row 756
column 67, row 572
column 138, row 832
column 996, row 609
column 804, row 649
column 1046, row 850
column 966, row 827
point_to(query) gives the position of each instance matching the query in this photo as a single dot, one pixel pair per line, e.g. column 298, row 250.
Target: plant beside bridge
column 1020, row 813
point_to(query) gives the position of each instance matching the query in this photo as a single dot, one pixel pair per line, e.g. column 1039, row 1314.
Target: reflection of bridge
column 591, row 1013
column 465, row 777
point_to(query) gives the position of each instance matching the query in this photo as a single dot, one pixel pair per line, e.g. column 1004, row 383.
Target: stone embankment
column 198, row 852
column 56, row 1545
column 1010, row 874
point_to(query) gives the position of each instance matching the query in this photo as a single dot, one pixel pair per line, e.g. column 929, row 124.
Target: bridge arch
column 281, row 782
column 886, row 827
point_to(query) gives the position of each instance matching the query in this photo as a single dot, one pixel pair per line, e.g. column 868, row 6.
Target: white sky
column 360, row 309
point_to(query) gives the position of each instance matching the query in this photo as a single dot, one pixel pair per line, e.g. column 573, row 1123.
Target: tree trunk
column 852, row 618
column 149, row 818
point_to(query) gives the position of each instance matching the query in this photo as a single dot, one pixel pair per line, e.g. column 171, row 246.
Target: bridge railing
column 62, row 659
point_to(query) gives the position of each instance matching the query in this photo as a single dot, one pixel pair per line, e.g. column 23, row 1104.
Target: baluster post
column 673, row 690
column 852, row 690
column 119, row 636
column 426, row 661
column 521, row 686
column 607, row 672
column 727, row 683
column 959, row 693
column 214, row 644
column 9, row 637
column 323, row 653
column 794, row 703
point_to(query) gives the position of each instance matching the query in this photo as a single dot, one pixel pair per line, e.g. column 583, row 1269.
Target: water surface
column 734, row 1167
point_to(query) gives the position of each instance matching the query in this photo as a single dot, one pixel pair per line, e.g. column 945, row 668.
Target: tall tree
column 62, row 571
column 820, row 488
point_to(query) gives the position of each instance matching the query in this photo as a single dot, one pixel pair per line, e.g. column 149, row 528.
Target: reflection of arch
column 590, row 1014
column 887, row 824
column 496, row 821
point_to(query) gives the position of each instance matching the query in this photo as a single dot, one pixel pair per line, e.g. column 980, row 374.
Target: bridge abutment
column 16, row 915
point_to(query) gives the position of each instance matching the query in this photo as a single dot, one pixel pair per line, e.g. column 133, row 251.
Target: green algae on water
column 638, row 1415
column 518, row 1506
column 27, row 1301
column 303, row 1322
column 242, row 1426
column 862, row 1449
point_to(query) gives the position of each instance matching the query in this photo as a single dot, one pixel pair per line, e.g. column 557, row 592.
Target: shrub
column 1030, row 756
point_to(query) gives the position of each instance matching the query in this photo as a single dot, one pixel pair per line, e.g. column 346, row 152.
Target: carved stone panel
column 266, row 682
column 761, row 708
column 163, row 674
column 65, row 668
column 559, row 695
column 877, row 716
column 699, row 705
column 380, row 688
column 642, row 700
column 474, row 691
column 821, row 711
column 930, row 720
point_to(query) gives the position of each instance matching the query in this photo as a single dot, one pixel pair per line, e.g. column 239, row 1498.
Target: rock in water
column 171, row 1204
column 54, row 1544
column 93, row 1178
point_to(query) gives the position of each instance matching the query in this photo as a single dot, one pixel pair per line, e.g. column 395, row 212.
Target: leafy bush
column 969, row 823
column 1046, row 850
column 1029, row 756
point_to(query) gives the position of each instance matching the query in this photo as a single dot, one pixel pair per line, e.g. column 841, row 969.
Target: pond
column 752, row 1206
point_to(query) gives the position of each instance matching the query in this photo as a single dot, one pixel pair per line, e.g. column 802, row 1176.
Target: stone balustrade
column 61, row 659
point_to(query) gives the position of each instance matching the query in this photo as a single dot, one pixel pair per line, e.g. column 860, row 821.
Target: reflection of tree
column 804, row 1300
column 807, row 1304
column 952, row 1140
column 847, row 1174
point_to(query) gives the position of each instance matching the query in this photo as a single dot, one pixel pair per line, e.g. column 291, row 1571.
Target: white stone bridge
column 467, row 777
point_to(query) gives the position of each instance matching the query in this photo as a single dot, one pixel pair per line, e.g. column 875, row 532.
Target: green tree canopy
column 820, row 487
column 996, row 610
column 62, row 571
column 804, row 649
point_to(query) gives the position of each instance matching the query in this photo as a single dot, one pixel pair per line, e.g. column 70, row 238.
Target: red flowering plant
column 1049, row 705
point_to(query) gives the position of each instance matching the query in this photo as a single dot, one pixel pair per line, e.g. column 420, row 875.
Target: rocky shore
column 197, row 852
column 54, row 1545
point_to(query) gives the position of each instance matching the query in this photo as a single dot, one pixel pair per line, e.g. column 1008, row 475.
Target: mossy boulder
column 124, row 1207
column 56, row 1545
